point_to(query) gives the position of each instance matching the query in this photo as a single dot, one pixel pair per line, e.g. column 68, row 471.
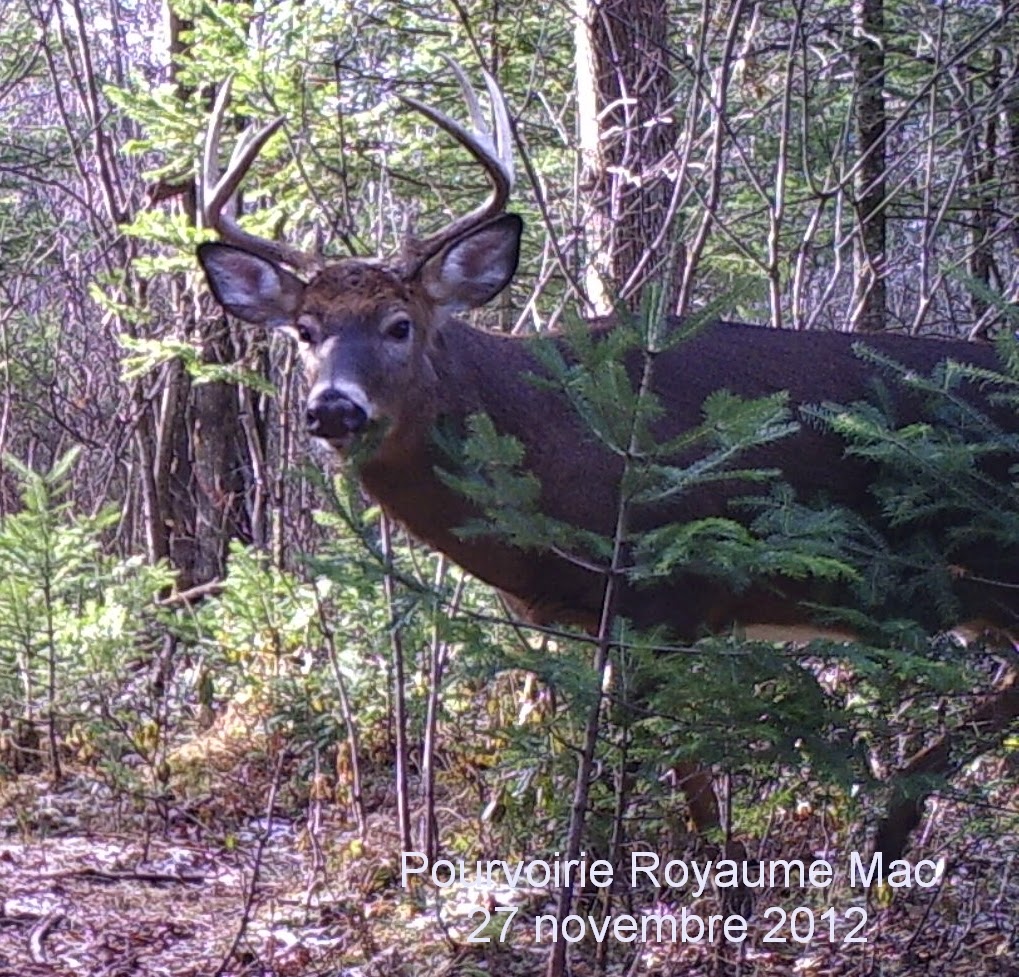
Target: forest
column 260, row 711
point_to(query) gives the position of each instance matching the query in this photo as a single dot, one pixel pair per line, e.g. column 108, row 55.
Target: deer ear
column 250, row 287
column 477, row 267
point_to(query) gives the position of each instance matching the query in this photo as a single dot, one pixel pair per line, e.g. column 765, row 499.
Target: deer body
column 480, row 372
column 388, row 359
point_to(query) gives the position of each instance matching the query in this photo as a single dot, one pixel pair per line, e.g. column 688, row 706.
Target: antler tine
column 501, row 140
column 503, row 129
column 493, row 148
column 218, row 192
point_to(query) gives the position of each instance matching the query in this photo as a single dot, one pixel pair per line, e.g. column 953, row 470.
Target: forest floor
column 93, row 887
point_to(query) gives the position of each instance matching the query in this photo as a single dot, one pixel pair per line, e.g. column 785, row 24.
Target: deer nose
column 332, row 415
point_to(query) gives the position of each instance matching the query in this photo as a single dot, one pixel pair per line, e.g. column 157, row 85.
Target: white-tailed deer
column 386, row 355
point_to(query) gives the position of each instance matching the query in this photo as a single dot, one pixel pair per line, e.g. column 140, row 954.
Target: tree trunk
column 870, row 241
column 625, row 102
column 202, row 467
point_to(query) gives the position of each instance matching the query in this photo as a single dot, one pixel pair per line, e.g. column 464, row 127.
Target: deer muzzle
column 332, row 415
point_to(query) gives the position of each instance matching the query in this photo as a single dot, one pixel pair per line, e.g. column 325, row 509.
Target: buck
column 387, row 359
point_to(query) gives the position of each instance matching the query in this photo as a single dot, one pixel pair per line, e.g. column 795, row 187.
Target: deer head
column 369, row 330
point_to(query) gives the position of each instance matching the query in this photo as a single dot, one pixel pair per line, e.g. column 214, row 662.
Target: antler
column 219, row 192
column 492, row 149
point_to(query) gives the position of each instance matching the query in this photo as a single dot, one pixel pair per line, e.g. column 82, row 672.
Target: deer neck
column 474, row 373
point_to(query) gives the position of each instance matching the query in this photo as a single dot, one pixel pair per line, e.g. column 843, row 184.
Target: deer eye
column 305, row 332
column 398, row 329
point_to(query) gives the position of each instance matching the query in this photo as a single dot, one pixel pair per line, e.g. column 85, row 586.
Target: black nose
column 331, row 415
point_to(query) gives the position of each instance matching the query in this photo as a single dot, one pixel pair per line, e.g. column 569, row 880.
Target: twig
column 249, row 896
column 155, row 878
column 192, row 594
column 40, row 931
column 399, row 691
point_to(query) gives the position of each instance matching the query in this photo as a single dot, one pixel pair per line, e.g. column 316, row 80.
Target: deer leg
column 698, row 788
column 984, row 727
